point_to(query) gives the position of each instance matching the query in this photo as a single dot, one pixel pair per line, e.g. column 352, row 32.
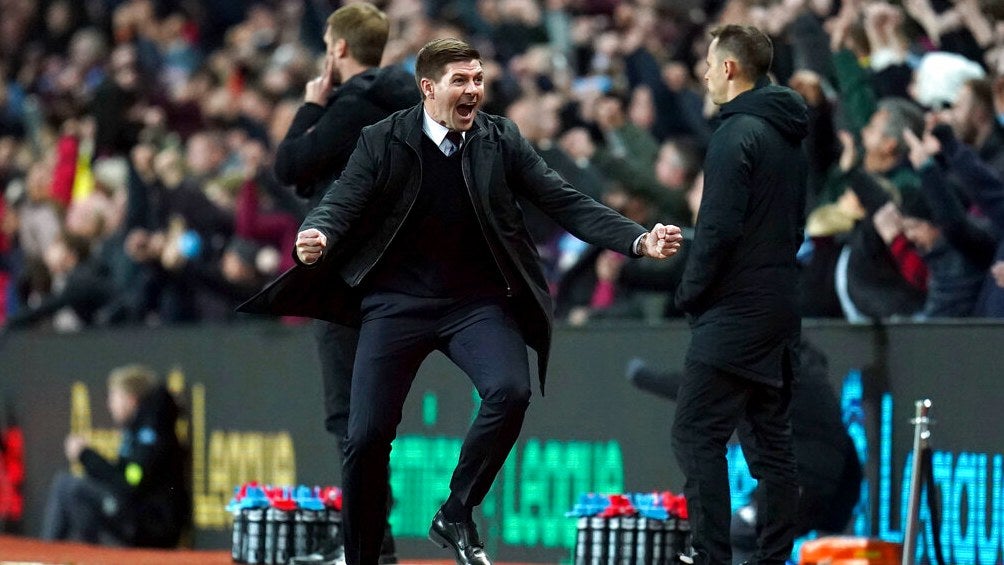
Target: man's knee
column 509, row 398
column 64, row 483
column 366, row 444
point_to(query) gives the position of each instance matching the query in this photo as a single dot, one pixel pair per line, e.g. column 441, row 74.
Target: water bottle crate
column 273, row 524
column 630, row 540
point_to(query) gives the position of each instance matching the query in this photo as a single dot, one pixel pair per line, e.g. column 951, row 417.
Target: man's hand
column 662, row 242
column 888, row 222
column 848, row 153
column 921, row 149
column 997, row 270
column 319, row 88
column 309, row 245
column 73, row 446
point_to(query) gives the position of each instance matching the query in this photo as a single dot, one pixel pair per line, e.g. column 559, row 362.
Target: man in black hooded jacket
column 312, row 156
column 739, row 291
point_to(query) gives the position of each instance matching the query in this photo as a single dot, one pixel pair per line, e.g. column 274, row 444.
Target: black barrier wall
column 253, row 396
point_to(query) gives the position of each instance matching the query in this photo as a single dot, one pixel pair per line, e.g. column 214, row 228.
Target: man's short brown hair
column 134, row 380
column 364, row 28
column 751, row 48
column 433, row 58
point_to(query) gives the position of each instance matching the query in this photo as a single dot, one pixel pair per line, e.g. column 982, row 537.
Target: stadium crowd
column 137, row 139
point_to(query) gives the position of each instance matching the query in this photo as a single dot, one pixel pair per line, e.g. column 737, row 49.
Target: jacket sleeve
column 857, row 95
column 867, row 189
column 315, row 138
column 344, row 202
column 974, row 172
column 728, row 167
column 97, row 467
column 577, row 213
column 977, row 244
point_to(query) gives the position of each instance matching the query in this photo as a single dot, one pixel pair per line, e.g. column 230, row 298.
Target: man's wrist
column 639, row 245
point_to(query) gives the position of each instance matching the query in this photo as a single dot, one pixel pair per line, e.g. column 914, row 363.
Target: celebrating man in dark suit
column 422, row 240
column 739, row 289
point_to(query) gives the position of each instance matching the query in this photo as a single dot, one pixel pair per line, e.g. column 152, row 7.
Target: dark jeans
column 712, row 404
column 398, row 332
column 80, row 509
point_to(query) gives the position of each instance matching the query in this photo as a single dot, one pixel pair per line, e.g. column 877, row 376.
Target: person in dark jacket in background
column 84, row 286
column 312, row 156
column 739, row 291
column 140, row 499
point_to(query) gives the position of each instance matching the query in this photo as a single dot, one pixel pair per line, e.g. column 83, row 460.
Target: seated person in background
column 138, row 500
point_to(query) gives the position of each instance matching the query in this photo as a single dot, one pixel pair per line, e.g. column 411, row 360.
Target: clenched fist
column 662, row 242
column 309, row 245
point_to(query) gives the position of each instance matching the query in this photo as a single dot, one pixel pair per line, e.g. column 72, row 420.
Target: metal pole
column 921, row 434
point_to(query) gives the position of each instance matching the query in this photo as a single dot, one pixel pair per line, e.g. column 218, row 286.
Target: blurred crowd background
column 137, row 139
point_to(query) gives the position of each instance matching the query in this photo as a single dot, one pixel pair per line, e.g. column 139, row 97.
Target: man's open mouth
column 466, row 110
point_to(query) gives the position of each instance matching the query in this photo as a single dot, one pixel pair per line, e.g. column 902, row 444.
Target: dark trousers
column 80, row 509
column 398, row 332
column 712, row 404
column 336, row 348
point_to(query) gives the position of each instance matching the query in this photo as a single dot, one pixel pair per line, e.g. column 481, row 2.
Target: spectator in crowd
column 957, row 249
column 140, row 499
column 880, row 274
column 78, row 289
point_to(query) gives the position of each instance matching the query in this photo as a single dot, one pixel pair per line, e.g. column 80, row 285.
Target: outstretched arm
column 577, row 213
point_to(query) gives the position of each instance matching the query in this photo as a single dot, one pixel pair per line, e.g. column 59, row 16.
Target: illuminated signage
column 970, row 485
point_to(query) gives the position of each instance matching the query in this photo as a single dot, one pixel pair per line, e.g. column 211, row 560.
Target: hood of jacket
column 782, row 108
column 391, row 88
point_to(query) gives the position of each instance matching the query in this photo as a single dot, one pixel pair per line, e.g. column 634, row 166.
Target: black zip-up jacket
column 321, row 138
column 363, row 211
column 740, row 282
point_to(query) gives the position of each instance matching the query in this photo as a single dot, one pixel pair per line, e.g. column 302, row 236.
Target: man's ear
column 428, row 90
column 341, row 48
column 890, row 145
column 731, row 69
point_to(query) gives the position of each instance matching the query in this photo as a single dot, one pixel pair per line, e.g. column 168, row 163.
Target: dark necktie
column 452, row 142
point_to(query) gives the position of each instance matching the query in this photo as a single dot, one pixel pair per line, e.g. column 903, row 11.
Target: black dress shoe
column 333, row 554
column 462, row 537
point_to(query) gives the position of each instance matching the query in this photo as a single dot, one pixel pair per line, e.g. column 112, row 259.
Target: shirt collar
column 435, row 130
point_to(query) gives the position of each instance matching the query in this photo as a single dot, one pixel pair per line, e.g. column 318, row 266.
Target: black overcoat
column 363, row 211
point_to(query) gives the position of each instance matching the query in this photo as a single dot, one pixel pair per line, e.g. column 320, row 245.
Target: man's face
column 873, row 137
column 962, row 116
column 455, row 98
column 121, row 405
column 716, row 78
